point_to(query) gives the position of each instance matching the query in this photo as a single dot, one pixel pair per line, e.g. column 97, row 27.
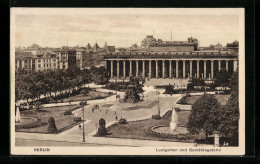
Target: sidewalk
column 102, row 140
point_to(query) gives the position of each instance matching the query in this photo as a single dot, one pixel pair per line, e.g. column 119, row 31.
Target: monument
column 17, row 116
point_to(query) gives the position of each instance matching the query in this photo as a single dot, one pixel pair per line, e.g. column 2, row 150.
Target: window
column 54, row 65
column 54, row 60
column 44, row 65
column 39, row 61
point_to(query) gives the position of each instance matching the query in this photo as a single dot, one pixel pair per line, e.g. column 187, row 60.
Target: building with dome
column 152, row 44
column 170, row 59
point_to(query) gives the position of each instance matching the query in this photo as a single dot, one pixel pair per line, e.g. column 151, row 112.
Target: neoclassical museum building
column 170, row 59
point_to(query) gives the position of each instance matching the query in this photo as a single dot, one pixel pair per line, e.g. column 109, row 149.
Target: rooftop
column 194, row 54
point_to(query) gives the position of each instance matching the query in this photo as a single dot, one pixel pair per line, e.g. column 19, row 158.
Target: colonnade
column 169, row 74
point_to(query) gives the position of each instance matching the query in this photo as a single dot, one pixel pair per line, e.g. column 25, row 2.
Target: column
column 130, row 71
column 219, row 65
column 177, row 68
column 198, row 68
column 117, row 69
column 105, row 64
column 190, row 68
column 163, row 68
column 18, row 64
column 22, row 64
column 212, row 69
column 170, row 69
column 150, row 69
column 205, row 69
column 31, row 64
column 111, row 68
column 143, row 69
column 235, row 65
column 184, row 67
column 137, row 67
column 124, row 68
column 156, row 61
column 227, row 65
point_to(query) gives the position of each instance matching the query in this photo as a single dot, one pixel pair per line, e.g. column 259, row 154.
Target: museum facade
column 153, row 63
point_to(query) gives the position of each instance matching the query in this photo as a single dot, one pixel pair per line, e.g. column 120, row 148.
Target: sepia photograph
column 127, row 81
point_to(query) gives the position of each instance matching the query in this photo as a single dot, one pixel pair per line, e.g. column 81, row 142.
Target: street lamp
column 158, row 93
column 83, row 125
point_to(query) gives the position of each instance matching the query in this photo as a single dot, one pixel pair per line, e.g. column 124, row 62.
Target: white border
column 130, row 150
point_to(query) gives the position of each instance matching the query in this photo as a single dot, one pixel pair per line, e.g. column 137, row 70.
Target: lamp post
column 83, row 126
column 158, row 93
column 181, row 86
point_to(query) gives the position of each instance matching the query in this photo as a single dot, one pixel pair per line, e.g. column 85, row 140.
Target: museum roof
column 194, row 54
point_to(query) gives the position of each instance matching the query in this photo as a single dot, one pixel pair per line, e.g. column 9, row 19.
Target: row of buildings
column 35, row 58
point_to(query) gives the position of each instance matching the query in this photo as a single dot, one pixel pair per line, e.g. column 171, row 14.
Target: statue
column 17, row 116
column 173, row 124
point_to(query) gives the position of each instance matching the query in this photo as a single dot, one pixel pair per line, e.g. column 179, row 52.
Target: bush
column 102, row 131
column 122, row 121
column 77, row 119
column 156, row 117
column 52, row 126
column 67, row 112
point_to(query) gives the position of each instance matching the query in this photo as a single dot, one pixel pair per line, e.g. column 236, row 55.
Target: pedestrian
column 116, row 117
column 79, row 126
column 92, row 110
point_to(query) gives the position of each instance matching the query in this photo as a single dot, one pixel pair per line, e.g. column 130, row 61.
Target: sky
column 122, row 29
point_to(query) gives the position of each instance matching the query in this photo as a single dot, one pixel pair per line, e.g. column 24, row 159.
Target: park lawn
column 142, row 129
column 222, row 99
column 62, row 121
column 92, row 95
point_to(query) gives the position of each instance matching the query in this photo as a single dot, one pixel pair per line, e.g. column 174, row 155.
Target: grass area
column 142, row 129
column 62, row 121
column 222, row 99
column 92, row 95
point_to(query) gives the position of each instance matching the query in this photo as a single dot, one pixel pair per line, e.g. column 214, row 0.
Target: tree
column 233, row 83
column 86, row 78
column 195, row 82
column 51, row 125
column 204, row 116
column 99, row 75
column 102, row 128
column 38, row 105
column 230, row 117
column 85, row 93
column 169, row 89
column 222, row 78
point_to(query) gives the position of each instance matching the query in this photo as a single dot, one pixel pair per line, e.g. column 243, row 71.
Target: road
column 32, row 142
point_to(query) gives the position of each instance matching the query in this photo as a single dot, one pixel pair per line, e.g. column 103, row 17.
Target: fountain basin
column 166, row 130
